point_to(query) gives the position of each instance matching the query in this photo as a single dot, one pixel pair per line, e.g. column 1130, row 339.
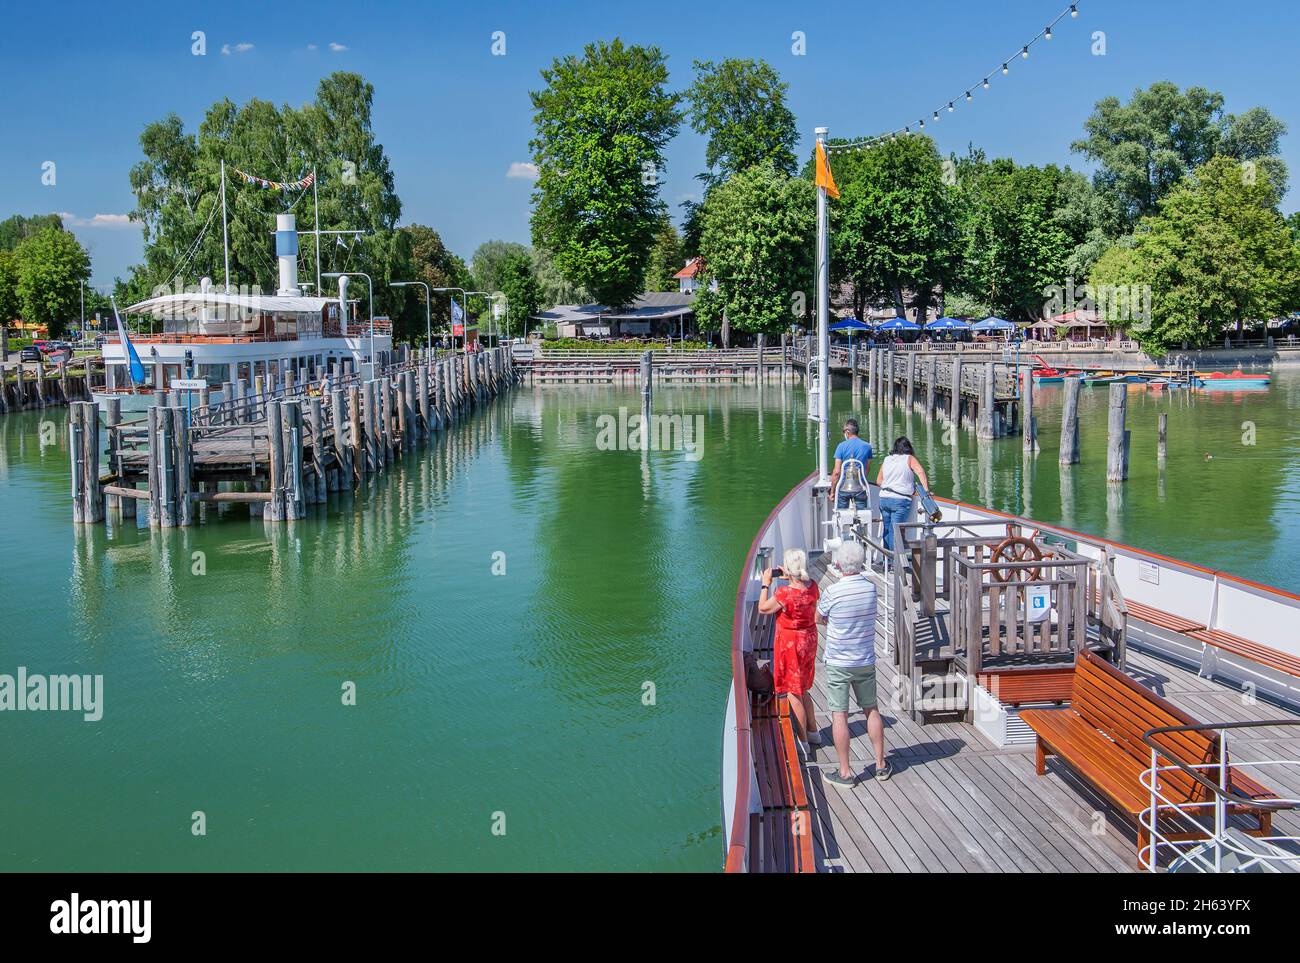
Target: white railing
column 1199, row 837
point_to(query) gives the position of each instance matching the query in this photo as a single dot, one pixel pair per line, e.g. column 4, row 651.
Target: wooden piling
column 1162, row 436
column 1117, row 436
column 931, row 387
column 422, row 394
column 166, row 440
column 113, row 418
column 1070, row 422
column 154, row 469
column 954, row 403
column 1029, row 421
column 316, row 427
column 356, row 448
column 183, row 462
column 294, row 498
column 985, row 425
column 76, row 456
column 275, row 510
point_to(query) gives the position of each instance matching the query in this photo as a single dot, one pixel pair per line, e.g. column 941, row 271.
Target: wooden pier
column 40, row 386
column 278, row 446
column 736, row 366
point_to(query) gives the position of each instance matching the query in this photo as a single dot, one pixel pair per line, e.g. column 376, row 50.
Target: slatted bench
column 1246, row 649
column 781, row 835
column 1100, row 737
column 1015, row 687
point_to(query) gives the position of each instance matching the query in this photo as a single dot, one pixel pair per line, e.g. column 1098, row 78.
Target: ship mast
column 225, row 232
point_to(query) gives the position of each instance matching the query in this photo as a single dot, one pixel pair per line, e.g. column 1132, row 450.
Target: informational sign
column 457, row 330
column 189, row 384
column 1149, row 572
column 1038, row 600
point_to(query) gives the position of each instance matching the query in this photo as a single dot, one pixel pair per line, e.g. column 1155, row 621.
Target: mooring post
column 1117, row 434
column 985, row 427
column 911, row 381
column 954, row 403
column 422, row 393
column 112, row 419
column 931, row 388
column 274, row 511
column 356, row 450
column 1070, row 422
column 316, row 416
column 183, row 459
column 1029, row 421
column 155, row 468
column 647, row 383
column 1162, row 435
column 166, row 467
column 77, row 456
column 294, row 497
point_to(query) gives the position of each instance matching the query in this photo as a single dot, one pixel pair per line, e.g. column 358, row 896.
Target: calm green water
column 481, row 694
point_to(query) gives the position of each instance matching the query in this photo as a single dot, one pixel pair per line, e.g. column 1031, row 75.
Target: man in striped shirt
column 848, row 610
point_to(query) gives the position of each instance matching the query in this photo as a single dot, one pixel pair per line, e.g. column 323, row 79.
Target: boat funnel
column 286, row 250
column 343, row 303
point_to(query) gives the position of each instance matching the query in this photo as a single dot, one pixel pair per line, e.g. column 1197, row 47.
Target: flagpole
column 823, row 329
column 225, row 231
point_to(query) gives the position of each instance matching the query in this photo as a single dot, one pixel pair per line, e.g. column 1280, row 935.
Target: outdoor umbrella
column 850, row 325
column 993, row 324
column 947, row 324
column 899, row 324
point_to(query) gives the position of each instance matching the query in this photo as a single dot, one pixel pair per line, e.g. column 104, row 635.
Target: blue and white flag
column 457, row 315
column 136, row 368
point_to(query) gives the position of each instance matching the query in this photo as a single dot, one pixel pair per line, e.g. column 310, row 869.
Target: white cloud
column 311, row 46
column 99, row 220
column 239, row 48
column 523, row 169
column 337, row 47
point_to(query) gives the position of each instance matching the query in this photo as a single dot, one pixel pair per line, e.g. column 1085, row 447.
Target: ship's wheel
column 1014, row 548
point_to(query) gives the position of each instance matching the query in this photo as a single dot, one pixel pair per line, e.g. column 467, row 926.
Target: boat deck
column 957, row 803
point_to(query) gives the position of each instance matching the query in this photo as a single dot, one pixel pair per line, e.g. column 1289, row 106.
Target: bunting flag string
column 270, row 185
column 983, row 83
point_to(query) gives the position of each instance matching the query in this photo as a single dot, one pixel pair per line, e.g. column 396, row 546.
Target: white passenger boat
column 219, row 337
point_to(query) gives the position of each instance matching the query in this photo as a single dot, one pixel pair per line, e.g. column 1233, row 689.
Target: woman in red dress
column 794, row 650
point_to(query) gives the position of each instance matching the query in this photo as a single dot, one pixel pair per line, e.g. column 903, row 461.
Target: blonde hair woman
column 794, row 649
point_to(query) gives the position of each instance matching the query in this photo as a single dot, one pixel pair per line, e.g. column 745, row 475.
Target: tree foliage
column 895, row 225
column 518, row 282
column 1146, row 146
column 9, row 304
column 757, row 243
column 1216, row 254
column 178, row 191
column 17, row 228
column 50, row 268
column 665, row 258
column 602, row 122
column 431, row 262
column 739, row 106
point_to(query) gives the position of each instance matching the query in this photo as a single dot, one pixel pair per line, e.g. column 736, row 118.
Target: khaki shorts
column 839, row 679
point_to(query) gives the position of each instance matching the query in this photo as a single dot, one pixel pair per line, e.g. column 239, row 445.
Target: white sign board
column 189, row 384
column 1149, row 572
column 1038, row 602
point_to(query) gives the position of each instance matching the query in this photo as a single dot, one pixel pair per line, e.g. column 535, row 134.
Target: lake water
column 536, row 624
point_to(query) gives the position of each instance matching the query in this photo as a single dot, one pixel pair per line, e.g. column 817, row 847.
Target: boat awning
column 218, row 305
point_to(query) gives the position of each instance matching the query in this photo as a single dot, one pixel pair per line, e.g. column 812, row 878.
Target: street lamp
column 360, row 274
column 502, row 296
column 428, row 314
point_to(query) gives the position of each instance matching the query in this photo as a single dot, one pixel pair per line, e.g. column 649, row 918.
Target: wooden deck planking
column 956, row 803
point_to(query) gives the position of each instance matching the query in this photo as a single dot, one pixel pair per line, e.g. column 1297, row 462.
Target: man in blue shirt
column 849, row 478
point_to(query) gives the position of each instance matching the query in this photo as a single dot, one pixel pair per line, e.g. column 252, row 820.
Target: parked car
column 30, row 353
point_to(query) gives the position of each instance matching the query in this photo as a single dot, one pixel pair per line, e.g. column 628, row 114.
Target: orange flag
column 824, row 176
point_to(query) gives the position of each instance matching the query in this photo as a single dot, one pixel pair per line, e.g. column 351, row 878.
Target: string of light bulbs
column 1045, row 34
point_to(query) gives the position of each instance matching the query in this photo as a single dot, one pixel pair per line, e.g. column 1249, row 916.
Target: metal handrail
column 1232, row 797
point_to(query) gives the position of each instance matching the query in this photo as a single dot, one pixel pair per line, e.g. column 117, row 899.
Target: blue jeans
column 894, row 510
column 859, row 499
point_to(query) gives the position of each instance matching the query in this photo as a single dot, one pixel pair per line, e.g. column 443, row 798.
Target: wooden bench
column 781, row 835
column 1014, row 687
column 1100, row 737
column 1216, row 639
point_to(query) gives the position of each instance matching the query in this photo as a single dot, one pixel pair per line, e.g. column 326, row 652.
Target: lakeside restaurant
column 655, row 313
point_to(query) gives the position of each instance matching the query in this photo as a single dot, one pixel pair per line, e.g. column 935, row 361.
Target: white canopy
column 212, row 304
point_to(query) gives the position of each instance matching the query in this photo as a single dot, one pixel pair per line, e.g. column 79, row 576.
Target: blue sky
column 82, row 80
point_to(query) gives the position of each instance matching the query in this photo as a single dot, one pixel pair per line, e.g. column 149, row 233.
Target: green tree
column 665, row 259
column 602, row 122
column 757, row 243
column 519, row 284
column 1216, row 254
column 430, row 261
column 178, row 191
column 489, row 260
column 895, row 226
column 1146, row 146
column 14, row 230
column 739, row 106
column 51, row 266
column 9, row 303
column 1019, row 237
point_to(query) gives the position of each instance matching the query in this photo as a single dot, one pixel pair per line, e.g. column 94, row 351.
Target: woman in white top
column 897, row 479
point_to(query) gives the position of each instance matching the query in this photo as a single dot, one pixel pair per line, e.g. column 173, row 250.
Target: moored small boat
column 1232, row 380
